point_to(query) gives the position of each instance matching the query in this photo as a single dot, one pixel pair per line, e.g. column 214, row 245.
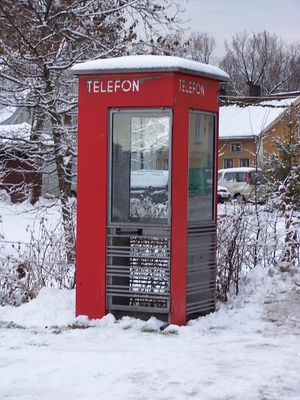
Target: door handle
column 128, row 231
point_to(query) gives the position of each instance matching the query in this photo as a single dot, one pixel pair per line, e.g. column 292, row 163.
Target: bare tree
column 170, row 44
column 201, row 47
column 42, row 39
column 261, row 60
column 197, row 46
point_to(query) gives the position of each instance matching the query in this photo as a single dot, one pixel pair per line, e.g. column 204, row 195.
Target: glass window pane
column 236, row 147
column 140, row 166
column 241, row 177
column 244, row 162
column 201, row 166
column 228, row 162
column 229, row 176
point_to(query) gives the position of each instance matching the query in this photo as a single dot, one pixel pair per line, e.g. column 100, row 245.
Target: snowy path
column 104, row 365
column 247, row 350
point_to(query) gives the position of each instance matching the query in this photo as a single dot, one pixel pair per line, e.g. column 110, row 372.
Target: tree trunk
column 37, row 181
column 65, row 190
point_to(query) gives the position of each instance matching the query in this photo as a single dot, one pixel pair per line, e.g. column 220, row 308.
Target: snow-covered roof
column 6, row 113
column 148, row 63
column 237, row 122
column 16, row 131
column 240, row 169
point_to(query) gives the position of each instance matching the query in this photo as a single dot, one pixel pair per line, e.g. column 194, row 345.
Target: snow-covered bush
column 26, row 267
column 251, row 235
column 248, row 235
column 282, row 166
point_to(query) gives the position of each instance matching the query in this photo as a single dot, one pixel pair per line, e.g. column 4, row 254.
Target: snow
column 240, row 169
column 248, row 349
column 18, row 221
column 6, row 113
column 248, row 121
column 147, row 63
column 15, row 131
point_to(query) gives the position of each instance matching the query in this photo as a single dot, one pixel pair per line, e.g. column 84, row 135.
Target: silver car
column 244, row 182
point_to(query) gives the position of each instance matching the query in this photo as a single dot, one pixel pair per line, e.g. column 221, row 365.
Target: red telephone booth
column 146, row 195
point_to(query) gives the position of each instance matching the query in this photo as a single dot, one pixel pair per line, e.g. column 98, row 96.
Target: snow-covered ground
column 18, row 221
column 248, row 350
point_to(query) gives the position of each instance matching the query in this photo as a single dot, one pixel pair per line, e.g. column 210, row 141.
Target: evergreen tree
column 283, row 165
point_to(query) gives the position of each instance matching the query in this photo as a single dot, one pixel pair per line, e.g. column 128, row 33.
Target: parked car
column 244, row 182
column 223, row 194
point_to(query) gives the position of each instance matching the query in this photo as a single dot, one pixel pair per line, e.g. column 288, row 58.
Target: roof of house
column 240, row 121
column 6, row 112
column 9, row 133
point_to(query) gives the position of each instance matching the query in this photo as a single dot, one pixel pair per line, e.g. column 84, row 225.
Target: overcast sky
column 222, row 18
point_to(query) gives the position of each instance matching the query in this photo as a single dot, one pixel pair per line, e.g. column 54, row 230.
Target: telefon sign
column 191, row 87
column 113, row 86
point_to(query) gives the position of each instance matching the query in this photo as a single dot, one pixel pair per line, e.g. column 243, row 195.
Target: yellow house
column 283, row 131
column 248, row 131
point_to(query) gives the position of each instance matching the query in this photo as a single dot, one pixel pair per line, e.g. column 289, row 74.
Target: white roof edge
column 22, row 125
column 239, row 169
column 12, row 132
column 6, row 113
column 274, row 122
column 238, row 137
column 146, row 63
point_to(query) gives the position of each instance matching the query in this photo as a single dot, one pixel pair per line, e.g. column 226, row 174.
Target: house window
column 228, row 162
column 244, row 162
column 234, row 147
